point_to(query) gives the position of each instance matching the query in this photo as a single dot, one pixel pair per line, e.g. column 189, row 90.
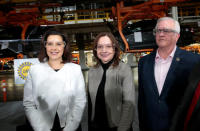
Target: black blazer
column 156, row 111
column 181, row 113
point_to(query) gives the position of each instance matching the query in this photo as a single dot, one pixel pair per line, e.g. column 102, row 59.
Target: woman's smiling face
column 105, row 49
column 55, row 47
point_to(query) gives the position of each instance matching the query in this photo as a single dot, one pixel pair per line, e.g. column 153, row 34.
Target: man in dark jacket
column 163, row 77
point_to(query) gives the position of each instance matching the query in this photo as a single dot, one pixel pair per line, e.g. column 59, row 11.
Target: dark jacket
column 182, row 110
column 156, row 111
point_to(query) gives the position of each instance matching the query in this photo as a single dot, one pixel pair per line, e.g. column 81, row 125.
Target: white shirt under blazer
column 47, row 92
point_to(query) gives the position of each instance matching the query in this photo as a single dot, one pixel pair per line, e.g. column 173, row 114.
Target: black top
column 56, row 124
column 56, row 70
column 100, row 116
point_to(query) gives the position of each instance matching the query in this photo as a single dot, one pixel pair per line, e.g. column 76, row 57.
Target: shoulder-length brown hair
column 114, row 44
column 43, row 57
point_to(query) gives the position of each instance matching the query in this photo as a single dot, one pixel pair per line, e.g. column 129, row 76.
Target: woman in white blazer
column 54, row 92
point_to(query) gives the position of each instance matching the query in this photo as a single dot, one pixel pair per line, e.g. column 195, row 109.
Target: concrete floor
column 11, row 109
column 11, row 115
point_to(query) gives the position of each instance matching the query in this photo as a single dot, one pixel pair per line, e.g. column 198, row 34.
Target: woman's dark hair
column 114, row 44
column 66, row 57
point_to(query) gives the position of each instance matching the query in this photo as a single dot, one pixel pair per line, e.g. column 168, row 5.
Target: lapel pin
column 178, row 59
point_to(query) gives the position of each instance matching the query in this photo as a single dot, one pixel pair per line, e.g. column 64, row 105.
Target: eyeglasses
column 57, row 44
column 164, row 31
column 107, row 47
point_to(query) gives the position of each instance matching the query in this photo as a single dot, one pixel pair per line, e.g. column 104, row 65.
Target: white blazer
column 47, row 92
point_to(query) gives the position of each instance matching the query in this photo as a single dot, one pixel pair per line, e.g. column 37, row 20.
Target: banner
column 21, row 68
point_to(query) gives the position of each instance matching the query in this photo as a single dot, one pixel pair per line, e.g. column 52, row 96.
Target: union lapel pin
column 178, row 59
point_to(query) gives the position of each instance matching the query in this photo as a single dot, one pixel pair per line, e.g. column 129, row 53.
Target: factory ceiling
column 27, row 20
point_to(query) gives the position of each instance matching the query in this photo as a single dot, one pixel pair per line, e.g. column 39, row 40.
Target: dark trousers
column 27, row 127
column 56, row 124
column 93, row 127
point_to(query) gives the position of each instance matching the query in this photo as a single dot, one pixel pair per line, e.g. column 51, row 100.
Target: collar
column 170, row 56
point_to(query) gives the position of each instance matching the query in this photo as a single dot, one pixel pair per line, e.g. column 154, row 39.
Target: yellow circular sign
column 23, row 69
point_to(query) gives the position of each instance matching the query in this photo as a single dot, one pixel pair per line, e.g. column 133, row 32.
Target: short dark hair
column 114, row 44
column 66, row 57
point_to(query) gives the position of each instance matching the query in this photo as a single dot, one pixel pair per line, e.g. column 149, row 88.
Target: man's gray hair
column 176, row 23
